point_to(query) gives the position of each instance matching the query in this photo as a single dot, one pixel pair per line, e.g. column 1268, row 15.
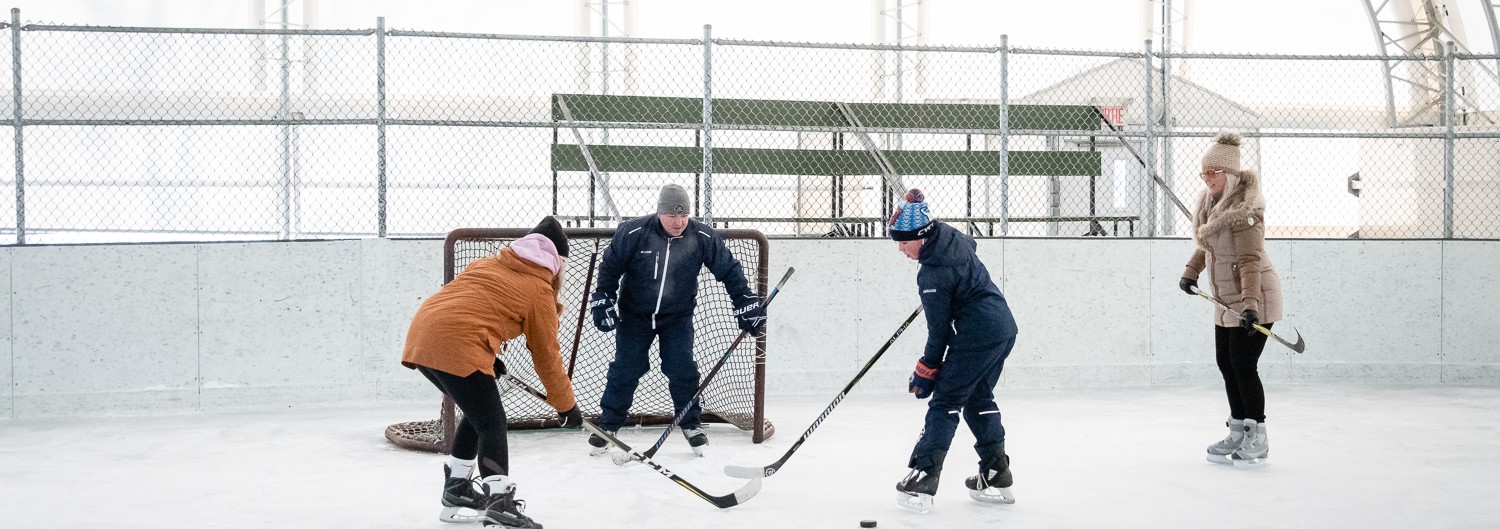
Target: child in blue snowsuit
column 970, row 332
column 650, row 272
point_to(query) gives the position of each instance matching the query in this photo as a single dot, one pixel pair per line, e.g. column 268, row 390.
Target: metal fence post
column 16, row 116
column 380, row 161
column 1167, row 220
column 1151, row 211
column 1448, row 119
column 708, row 113
column 1004, row 148
column 284, row 115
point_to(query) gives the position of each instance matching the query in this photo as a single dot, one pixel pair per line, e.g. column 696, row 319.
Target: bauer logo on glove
column 923, row 379
column 751, row 313
column 603, row 309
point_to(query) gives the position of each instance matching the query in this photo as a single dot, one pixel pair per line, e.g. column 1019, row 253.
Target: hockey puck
column 867, row 523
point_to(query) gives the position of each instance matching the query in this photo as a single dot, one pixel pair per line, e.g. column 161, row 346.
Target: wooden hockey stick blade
column 1297, row 347
column 742, row 495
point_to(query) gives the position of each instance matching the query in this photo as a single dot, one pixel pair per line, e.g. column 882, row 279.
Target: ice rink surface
column 1341, row 456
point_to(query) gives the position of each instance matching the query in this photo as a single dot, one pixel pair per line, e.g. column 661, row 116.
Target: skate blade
column 459, row 515
column 993, row 495
column 698, row 451
column 918, row 503
column 1216, row 458
column 1247, row 463
column 595, row 451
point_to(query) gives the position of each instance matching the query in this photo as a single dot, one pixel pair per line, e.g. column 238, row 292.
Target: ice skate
column 599, row 446
column 914, row 493
column 992, row 485
column 502, row 509
column 696, row 439
column 462, row 501
column 1255, row 448
column 1219, row 452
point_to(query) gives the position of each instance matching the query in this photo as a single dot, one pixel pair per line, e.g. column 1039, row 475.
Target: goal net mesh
column 736, row 395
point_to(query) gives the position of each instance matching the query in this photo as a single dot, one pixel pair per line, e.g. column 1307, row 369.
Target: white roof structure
column 1121, row 83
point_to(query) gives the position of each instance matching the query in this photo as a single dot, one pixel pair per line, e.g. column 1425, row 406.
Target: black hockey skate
column 992, row 484
column 914, row 493
column 462, row 501
column 696, row 439
column 598, row 444
column 502, row 509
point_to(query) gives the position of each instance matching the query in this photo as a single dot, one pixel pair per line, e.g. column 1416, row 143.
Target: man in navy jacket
column 970, row 332
column 650, row 272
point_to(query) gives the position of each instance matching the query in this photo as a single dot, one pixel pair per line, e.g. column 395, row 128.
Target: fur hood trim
column 1242, row 201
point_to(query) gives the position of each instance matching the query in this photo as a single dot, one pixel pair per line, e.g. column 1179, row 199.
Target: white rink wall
column 175, row 328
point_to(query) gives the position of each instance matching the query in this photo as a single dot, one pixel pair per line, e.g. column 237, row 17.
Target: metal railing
column 159, row 134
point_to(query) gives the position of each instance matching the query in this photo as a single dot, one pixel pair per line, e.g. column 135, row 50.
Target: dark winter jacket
column 965, row 310
column 657, row 274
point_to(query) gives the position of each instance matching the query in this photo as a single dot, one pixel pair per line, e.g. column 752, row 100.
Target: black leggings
column 482, row 431
column 1237, row 353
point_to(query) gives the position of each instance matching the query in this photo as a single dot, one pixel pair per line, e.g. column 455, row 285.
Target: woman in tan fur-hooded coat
column 1229, row 231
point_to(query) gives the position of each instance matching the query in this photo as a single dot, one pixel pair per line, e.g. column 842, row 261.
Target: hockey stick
column 742, row 495
column 1298, row 347
column 588, row 282
column 704, row 384
column 1138, row 158
column 768, row 470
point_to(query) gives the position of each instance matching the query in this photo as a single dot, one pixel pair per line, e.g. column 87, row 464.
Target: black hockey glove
column 603, row 308
column 1248, row 319
column 1187, row 285
column 750, row 311
column 571, row 419
column 923, row 379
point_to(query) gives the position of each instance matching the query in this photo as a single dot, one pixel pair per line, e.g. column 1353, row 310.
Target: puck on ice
column 867, row 523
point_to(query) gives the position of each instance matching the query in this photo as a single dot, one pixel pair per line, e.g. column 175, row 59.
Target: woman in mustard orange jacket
column 455, row 340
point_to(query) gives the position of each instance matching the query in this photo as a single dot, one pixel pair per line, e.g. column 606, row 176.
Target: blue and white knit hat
column 912, row 219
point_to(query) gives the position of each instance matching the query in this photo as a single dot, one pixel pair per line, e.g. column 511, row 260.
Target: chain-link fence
column 151, row 134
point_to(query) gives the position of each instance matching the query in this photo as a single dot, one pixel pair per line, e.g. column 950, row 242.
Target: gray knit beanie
column 674, row 200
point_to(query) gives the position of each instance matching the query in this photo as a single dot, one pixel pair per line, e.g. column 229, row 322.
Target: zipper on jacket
column 661, row 288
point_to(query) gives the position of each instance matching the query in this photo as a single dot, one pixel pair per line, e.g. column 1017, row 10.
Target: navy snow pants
column 966, row 384
column 632, row 349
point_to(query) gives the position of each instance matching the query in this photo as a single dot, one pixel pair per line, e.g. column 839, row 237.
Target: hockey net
column 736, row 395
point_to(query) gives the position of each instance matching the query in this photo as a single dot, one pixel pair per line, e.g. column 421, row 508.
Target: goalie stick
column 698, row 395
column 742, row 495
column 1298, row 347
column 768, row 470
